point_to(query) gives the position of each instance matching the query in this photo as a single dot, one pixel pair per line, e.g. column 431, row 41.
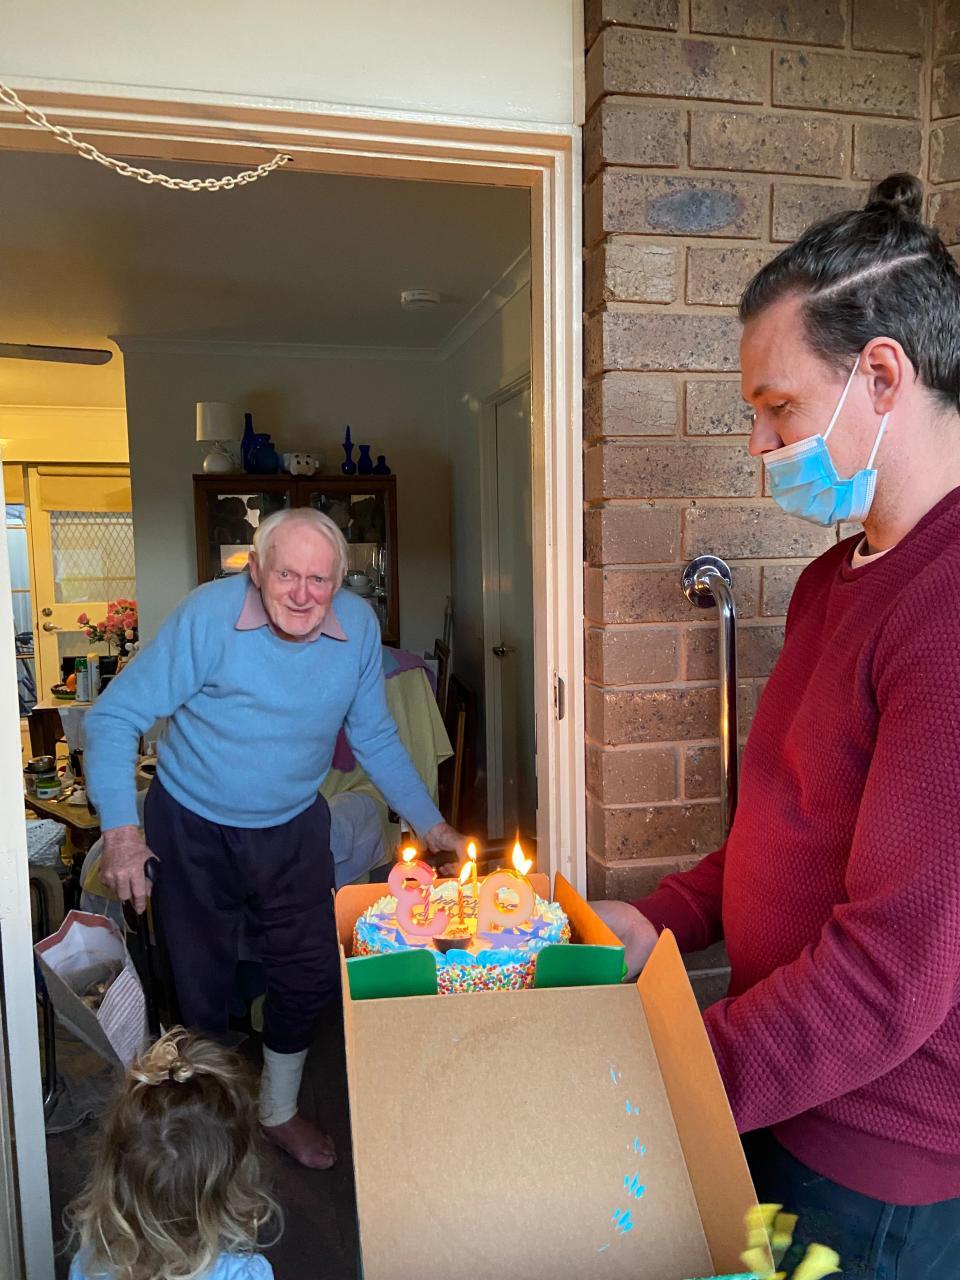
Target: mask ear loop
column 836, row 412
column 876, row 443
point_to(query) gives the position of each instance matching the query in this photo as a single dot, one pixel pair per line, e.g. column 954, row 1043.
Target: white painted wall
column 496, row 58
column 395, row 405
column 495, row 356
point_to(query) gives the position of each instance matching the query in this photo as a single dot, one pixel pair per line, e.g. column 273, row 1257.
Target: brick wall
column 716, row 131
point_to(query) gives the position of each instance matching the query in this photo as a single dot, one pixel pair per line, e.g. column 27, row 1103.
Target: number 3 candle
column 410, row 883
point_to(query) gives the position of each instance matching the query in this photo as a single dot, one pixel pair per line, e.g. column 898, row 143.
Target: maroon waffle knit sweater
column 838, row 890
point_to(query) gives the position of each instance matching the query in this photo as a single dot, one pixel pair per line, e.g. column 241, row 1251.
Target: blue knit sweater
column 251, row 720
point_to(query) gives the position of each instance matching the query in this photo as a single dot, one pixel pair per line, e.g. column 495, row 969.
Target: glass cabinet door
column 364, row 512
column 229, row 519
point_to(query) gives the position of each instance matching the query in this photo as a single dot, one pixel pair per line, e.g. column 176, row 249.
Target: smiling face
column 794, row 392
column 296, row 579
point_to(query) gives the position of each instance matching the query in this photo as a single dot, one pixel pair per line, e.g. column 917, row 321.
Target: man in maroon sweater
column 838, row 888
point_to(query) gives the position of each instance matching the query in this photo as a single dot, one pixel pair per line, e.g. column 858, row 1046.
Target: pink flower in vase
column 83, row 619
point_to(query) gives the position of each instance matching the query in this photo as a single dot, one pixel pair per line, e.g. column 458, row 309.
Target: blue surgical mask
column 804, row 481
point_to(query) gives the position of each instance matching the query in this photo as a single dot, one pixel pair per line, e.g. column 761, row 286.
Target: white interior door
column 81, row 535
column 508, row 614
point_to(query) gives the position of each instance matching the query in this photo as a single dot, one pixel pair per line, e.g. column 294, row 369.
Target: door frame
column 543, row 158
column 489, row 551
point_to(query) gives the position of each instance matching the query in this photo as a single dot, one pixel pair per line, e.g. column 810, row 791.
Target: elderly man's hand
column 444, row 839
column 634, row 930
column 123, row 865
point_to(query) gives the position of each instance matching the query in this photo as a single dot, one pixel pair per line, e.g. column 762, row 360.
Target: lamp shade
column 216, row 421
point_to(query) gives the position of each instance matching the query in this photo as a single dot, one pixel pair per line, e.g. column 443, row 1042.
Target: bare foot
column 308, row 1144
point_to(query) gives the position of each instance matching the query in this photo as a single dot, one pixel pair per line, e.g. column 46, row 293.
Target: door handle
column 51, row 626
column 501, row 650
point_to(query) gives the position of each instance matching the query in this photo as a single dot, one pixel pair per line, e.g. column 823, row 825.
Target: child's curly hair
column 176, row 1178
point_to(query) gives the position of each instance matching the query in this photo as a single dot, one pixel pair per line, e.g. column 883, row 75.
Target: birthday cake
column 487, row 943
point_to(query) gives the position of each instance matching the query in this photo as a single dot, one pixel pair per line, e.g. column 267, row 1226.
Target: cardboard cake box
column 562, row 1131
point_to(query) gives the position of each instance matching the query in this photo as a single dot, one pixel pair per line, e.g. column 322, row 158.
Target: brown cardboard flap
column 705, row 1126
column 350, row 903
column 585, row 925
column 517, row 1134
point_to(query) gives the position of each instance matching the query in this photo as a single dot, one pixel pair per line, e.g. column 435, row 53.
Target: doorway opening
column 542, row 170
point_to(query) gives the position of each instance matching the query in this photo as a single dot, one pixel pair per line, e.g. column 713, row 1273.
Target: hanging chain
column 90, row 152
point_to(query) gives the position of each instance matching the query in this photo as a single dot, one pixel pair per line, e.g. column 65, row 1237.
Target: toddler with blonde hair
column 176, row 1192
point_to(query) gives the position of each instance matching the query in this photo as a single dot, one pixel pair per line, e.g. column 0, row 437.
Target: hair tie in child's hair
column 181, row 1070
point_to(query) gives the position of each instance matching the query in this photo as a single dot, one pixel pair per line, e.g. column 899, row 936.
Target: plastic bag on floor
column 94, row 986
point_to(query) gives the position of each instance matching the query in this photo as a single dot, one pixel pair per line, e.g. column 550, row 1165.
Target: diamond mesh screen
column 92, row 555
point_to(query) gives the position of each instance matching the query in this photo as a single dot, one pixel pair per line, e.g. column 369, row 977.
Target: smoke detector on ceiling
column 419, row 299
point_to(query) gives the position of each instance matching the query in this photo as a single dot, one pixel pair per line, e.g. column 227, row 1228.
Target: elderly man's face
column 296, row 579
column 794, row 393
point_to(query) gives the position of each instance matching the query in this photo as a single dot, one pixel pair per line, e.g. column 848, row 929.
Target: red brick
column 946, row 90
column 634, row 533
column 657, row 831
column 779, row 581
column 630, row 61
column 798, row 21
column 630, row 200
column 751, row 531
column 663, row 15
column 945, row 214
column 624, row 882
column 869, row 84
column 615, row 596
column 629, row 269
column 716, row 408
column 879, row 149
column 645, row 340
column 632, row 655
column 700, row 766
column 891, row 26
column 947, row 27
column 798, row 204
column 630, row 404
column 945, row 152
column 641, row 776
column 716, row 276
column 618, row 470
column 632, row 131
column 775, row 142
column 758, row 648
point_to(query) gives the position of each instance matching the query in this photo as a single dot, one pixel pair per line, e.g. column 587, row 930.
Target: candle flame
column 472, row 851
column 465, row 873
column 520, row 863
column 409, row 853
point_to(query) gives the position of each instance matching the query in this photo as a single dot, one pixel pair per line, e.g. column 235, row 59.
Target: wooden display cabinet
column 228, row 508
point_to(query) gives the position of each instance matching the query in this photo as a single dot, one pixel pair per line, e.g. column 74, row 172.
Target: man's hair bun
column 902, row 193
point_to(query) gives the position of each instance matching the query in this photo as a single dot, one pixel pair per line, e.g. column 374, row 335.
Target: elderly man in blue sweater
column 254, row 676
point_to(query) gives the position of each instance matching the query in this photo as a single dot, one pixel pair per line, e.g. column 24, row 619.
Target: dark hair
column 872, row 272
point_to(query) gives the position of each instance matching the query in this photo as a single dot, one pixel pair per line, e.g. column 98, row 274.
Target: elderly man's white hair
column 311, row 519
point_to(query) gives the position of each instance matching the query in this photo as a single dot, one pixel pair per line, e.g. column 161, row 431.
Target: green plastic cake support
column 404, row 973
column 579, row 965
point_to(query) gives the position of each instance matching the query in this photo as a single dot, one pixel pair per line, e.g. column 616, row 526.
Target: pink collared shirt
column 253, row 616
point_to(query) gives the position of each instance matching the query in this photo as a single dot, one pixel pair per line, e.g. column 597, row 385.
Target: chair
column 441, row 652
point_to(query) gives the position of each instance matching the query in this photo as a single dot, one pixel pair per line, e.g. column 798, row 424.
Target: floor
column 320, row 1233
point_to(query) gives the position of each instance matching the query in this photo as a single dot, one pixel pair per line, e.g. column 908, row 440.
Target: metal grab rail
column 708, row 582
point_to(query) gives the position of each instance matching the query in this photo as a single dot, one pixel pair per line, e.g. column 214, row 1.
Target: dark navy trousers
column 875, row 1240
column 211, row 878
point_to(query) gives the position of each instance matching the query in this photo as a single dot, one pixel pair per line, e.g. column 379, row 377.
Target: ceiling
column 295, row 258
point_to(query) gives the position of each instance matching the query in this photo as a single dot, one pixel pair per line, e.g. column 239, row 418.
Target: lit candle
column 410, row 883
column 472, row 864
column 464, row 877
column 492, row 914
